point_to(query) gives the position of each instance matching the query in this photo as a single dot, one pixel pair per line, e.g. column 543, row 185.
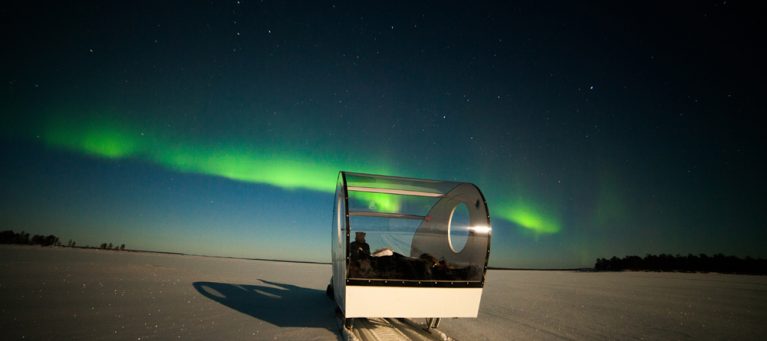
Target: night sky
column 219, row 128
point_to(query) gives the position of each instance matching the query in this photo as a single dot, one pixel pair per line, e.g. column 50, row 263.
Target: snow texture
column 60, row 293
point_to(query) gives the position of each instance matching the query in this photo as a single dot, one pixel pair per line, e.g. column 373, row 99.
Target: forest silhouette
column 10, row 237
column 690, row 263
column 24, row 238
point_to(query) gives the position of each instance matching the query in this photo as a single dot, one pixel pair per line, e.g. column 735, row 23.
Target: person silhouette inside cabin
column 359, row 248
column 360, row 262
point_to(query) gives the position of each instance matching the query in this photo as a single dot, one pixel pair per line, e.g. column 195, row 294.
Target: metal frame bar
column 395, row 191
column 391, row 177
column 385, row 215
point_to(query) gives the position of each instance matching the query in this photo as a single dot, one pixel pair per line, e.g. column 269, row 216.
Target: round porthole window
column 458, row 228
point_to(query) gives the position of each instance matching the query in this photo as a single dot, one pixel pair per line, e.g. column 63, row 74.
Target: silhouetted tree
column 38, row 239
column 122, row 247
column 50, row 240
column 23, row 238
column 8, row 237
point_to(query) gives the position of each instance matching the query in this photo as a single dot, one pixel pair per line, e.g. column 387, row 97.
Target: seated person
column 359, row 248
column 359, row 254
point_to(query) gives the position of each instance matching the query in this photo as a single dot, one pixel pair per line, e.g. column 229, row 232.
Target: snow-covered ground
column 58, row 293
column 625, row 305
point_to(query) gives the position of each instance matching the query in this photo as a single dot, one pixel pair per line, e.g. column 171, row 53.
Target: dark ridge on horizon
column 691, row 263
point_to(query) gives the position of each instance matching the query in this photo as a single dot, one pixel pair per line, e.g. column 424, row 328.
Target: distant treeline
column 690, row 263
column 110, row 247
column 23, row 238
column 10, row 237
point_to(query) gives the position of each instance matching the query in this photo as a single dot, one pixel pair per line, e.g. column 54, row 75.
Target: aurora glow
column 220, row 127
column 378, row 202
column 115, row 139
column 103, row 138
column 529, row 218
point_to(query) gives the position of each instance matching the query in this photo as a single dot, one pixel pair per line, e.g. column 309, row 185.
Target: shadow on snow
column 283, row 305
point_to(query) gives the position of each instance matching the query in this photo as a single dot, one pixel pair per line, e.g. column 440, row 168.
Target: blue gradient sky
column 174, row 126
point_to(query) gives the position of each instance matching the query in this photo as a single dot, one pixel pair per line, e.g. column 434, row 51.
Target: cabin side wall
column 432, row 236
column 411, row 302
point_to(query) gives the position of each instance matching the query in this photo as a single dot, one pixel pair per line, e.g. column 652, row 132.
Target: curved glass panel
column 338, row 239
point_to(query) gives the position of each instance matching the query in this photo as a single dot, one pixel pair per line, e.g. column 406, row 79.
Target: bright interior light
column 480, row 229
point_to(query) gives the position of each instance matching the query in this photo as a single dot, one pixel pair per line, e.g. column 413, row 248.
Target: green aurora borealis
column 112, row 138
column 219, row 128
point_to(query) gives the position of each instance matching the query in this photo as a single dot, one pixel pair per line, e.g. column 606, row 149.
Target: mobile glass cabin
column 406, row 247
